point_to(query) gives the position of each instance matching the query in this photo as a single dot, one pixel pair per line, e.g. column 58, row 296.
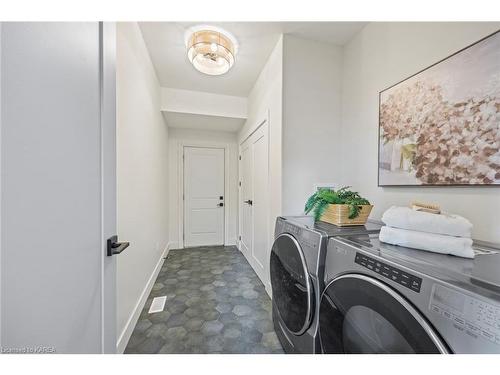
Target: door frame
column 180, row 190
column 107, row 71
column 265, row 118
column 1, row 174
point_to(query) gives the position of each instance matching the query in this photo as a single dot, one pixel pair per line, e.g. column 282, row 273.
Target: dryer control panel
column 392, row 273
column 477, row 318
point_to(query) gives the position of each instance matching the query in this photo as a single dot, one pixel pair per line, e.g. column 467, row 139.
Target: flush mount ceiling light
column 211, row 50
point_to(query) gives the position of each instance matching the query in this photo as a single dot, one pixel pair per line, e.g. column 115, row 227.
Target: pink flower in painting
column 456, row 143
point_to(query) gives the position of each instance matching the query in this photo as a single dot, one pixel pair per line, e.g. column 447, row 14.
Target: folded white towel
column 436, row 243
column 448, row 224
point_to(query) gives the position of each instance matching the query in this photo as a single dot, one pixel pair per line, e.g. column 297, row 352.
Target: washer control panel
column 292, row 229
column 477, row 318
column 392, row 273
column 306, row 237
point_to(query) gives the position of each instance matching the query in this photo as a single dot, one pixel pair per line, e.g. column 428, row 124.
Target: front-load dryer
column 297, row 274
column 381, row 298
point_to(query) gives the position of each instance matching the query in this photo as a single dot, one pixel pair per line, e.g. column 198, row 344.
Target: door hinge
column 239, row 237
column 240, row 183
column 240, row 157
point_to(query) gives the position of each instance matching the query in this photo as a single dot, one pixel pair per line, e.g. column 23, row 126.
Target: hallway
column 215, row 304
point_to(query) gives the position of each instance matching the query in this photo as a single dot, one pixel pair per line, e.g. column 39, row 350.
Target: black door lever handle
column 250, row 202
column 114, row 247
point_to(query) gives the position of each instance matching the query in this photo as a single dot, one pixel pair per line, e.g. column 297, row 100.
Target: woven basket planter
column 338, row 214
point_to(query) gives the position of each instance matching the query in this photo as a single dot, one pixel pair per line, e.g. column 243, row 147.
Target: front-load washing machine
column 297, row 274
column 381, row 298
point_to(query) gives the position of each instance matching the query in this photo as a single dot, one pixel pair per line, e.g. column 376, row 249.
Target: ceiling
column 165, row 42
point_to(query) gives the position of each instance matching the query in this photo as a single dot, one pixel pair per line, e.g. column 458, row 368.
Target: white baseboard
column 269, row 290
column 173, row 245
column 134, row 316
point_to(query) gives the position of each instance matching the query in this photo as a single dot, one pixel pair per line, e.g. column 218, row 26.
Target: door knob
column 220, row 204
column 249, row 202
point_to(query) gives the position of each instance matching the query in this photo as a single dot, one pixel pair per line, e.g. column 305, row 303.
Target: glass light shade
column 211, row 52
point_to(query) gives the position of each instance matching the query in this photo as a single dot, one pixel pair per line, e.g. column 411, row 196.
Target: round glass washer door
column 359, row 314
column 291, row 284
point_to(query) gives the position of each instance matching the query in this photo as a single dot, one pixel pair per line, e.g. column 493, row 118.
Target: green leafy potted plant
column 342, row 207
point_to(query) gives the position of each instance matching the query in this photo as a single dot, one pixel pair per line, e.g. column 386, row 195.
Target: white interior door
column 203, row 196
column 254, row 200
column 57, row 186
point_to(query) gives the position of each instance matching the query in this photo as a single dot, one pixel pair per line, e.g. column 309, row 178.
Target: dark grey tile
column 159, row 317
column 215, row 304
column 150, row 345
column 242, row 310
column 193, row 312
column 176, row 307
column 212, row 327
column 193, row 324
column 156, row 330
column 270, row 341
column 251, row 335
column 142, row 325
column 228, row 317
column 177, row 320
column 224, row 307
column 174, row 334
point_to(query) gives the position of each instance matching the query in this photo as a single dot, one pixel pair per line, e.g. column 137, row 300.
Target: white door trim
column 266, row 119
column 180, row 190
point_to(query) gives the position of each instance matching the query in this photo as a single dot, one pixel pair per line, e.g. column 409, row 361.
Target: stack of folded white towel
column 441, row 233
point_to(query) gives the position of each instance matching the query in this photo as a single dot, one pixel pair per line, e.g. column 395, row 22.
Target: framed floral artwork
column 441, row 126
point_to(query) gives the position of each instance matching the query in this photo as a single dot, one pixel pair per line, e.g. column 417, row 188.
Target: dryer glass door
column 359, row 314
column 292, row 288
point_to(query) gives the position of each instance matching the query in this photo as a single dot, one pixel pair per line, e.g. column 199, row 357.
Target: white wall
column 203, row 103
column 142, row 175
column 311, row 119
column 194, row 137
column 265, row 100
column 379, row 56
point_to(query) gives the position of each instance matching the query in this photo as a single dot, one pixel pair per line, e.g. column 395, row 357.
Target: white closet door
column 203, row 196
column 254, row 200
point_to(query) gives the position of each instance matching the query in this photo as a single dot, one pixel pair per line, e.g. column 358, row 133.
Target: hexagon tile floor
column 215, row 304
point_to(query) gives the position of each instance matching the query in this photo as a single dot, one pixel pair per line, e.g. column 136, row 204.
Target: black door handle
column 221, row 205
column 250, row 202
column 114, row 247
